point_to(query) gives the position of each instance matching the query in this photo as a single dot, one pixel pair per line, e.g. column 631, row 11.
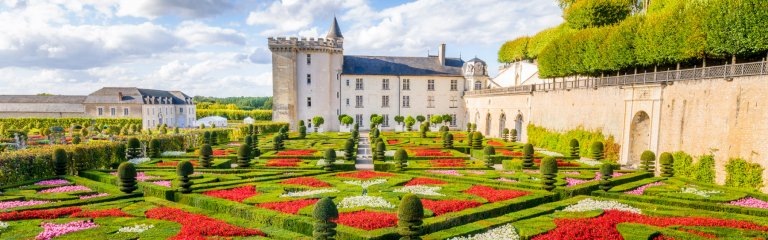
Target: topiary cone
column 330, row 159
column 324, row 213
column 244, row 156
column 667, row 161
column 477, row 140
column 380, row 148
column 206, row 155
column 574, row 144
column 548, row 171
column 126, row 176
column 154, row 148
column 647, row 161
column 349, row 150
column 597, row 151
column 183, row 170
column 401, row 158
column 448, row 141
column 488, row 152
column 60, row 161
column 410, row 215
column 528, row 155
column 606, row 172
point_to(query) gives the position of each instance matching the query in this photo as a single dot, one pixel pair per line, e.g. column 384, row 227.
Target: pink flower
column 52, row 230
column 750, row 202
column 15, row 204
column 52, row 182
column 573, row 181
column 446, row 172
column 63, row 189
column 476, row 172
column 162, row 183
column 572, row 173
column 140, row 176
column 506, row 180
column 641, row 189
column 94, row 195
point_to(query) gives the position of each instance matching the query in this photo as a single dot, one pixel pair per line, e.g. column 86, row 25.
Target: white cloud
column 184, row 8
column 292, row 16
column 260, row 56
column 197, row 33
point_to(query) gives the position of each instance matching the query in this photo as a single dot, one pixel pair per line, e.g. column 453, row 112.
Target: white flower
column 421, row 189
column 322, row 162
column 137, row 161
column 367, row 183
column 365, row 201
column 308, row 192
column 173, row 153
column 3, row 225
column 389, row 153
column 703, row 193
column 590, row 162
column 138, row 228
column 549, row 153
column 591, row 204
column 506, row 232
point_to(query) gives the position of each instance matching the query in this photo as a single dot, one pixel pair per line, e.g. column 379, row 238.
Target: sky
column 219, row 47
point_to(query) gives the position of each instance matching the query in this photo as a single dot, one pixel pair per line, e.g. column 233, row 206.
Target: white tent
column 248, row 120
column 212, row 120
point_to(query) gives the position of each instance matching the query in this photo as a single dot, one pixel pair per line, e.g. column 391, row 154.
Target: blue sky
column 218, row 47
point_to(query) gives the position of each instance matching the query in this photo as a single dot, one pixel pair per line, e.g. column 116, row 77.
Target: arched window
column 478, row 85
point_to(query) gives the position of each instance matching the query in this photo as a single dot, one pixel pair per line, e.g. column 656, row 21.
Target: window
column 430, row 85
column 113, row 111
column 125, row 111
column 454, row 101
column 406, row 84
column 358, row 101
column 430, row 101
column 384, row 84
column 101, row 111
column 385, row 123
column 454, row 85
column 406, row 101
column 347, row 82
column 309, row 79
column 338, row 95
column 309, row 102
column 309, row 59
column 347, row 101
column 453, row 120
column 359, row 84
column 359, row 119
column 478, row 85
column 385, row 101
column 181, row 110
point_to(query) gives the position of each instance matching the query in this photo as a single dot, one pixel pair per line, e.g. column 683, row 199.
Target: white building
column 312, row 77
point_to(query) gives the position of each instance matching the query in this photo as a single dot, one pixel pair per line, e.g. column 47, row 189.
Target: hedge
column 514, row 50
column 20, row 123
column 560, row 142
column 743, row 174
column 231, row 114
column 595, row 13
column 35, row 163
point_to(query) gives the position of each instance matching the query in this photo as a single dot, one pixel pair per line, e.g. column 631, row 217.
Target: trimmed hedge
column 37, row 163
column 20, row 123
column 231, row 114
column 743, row 174
column 560, row 142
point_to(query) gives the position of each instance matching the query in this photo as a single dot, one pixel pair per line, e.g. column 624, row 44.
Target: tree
column 325, row 213
column 134, row 148
column 410, row 214
column 401, row 159
column 606, row 170
column 667, row 161
column 574, row 148
column 596, row 13
column 277, row 142
column 330, row 159
column 420, row 118
column 206, row 155
column 515, row 50
column 302, row 132
column 548, row 171
column 374, row 132
column 349, row 150
column 317, row 121
column 528, row 155
column 207, row 137
column 597, row 150
column 436, row 119
column 347, row 120
column 126, row 174
column 376, row 120
column 448, row 141
column 447, row 118
column 60, row 161
column 183, row 170
column 647, row 161
column 409, row 122
column 154, row 148
column 76, row 139
column 399, row 120
column 214, row 138
column 477, row 140
column 423, row 129
column 244, row 156
column 488, row 153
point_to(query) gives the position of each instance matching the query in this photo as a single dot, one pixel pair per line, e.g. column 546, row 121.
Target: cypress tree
column 183, row 170
column 488, row 152
column 154, row 148
column 410, row 214
column 477, row 140
column 528, row 155
column 574, row 148
column 330, row 159
column 207, row 137
column 244, row 156
column 206, row 155
column 606, row 170
column 214, row 138
column 324, row 213
column 548, row 171
column 666, row 160
column 60, row 161
column 401, row 158
column 126, row 174
column 448, row 141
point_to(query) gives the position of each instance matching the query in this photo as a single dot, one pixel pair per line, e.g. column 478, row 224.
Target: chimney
column 119, row 96
column 441, row 54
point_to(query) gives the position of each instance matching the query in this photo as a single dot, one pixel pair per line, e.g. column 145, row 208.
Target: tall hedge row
column 28, row 164
column 231, row 114
column 561, row 142
column 19, row 123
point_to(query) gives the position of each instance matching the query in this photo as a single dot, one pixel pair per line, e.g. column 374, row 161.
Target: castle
column 312, row 77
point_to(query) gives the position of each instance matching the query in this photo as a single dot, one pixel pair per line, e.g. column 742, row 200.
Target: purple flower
column 162, row 183
column 750, row 202
column 52, row 182
column 94, row 195
column 63, row 189
column 641, row 189
column 15, row 204
column 52, row 230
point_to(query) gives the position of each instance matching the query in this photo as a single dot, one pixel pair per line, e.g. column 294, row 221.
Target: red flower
column 604, row 226
column 560, row 163
column 100, row 213
column 197, row 226
column 291, row 207
column 495, row 143
column 390, row 142
column 283, row 162
column 176, row 163
column 38, row 214
column 447, row 163
column 424, row 181
column 367, row 220
column 306, row 181
column 495, row 195
column 440, row 207
column 236, row 194
column 223, row 152
column 297, row 153
column 430, row 153
column 364, row 174
column 506, row 152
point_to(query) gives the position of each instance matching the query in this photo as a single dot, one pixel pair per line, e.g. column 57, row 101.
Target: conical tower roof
column 335, row 31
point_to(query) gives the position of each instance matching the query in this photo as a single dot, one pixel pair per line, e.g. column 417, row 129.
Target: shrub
column 325, row 213
column 214, row 138
column 647, row 161
column 154, row 148
column 444, row 129
column 513, row 135
column 423, row 129
column 380, row 148
column 515, row 50
column 277, row 142
column 126, row 174
column 548, row 171
column 248, row 141
column 183, row 170
column 488, row 152
column 683, row 166
column 477, row 140
column 742, row 174
column 528, row 155
column 410, row 214
column 244, row 156
column 606, row 170
column 60, row 161
column 302, row 132
column 206, row 155
column 448, row 141
column 505, row 134
column 207, row 137
column 595, row 13
column 574, row 148
column 705, row 169
column 666, row 160
column 118, row 155
column 330, row 159
column 349, row 150
column 597, row 151
column 374, row 133
column 401, row 158
column 560, row 141
column 76, row 140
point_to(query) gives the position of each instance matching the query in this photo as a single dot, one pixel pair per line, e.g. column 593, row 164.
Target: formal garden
column 254, row 181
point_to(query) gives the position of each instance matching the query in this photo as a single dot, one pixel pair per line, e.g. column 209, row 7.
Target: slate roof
column 68, row 99
column 335, row 31
column 134, row 95
column 403, row 66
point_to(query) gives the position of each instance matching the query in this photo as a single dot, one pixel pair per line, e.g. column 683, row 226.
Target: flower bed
column 15, row 204
column 560, row 163
column 430, row 153
column 364, row 175
column 424, row 181
column 505, row 232
column 291, row 207
column 306, row 181
column 283, row 162
column 366, row 183
column 52, row 182
column 574, row 181
column 446, row 172
column 365, row 201
column 494, row 195
column 176, row 163
column 64, row 189
column 223, row 152
column 392, row 142
column 94, row 195
column 38, row 214
column 750, row 202
column 100, row 213
column 308, row 192
column 494, row 143
column 447, row 163
column 297, row 153
column 162, row 183
column 440, row 207
column 140, row 176
column 641, row 189
column 591, row 204
column 196, row 226
column 421, row 190
column 506, row 152
column 52, row 230
column 367, row 220
column 236, row 194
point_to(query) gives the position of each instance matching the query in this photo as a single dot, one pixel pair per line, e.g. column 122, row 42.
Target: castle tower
column 476, row 74
column 305, row 77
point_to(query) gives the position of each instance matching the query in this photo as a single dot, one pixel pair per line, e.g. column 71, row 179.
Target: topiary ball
column 330, row 154
column 325, row 210
column 528, row 149
column 134, row 143
column 548, row 165
column 574, row 143
column 126, row 170
column 244, row 152
column 401, row 155
column 206, row 150
column 185, row 168
column 666, row 160
column 489, row 150
column 410, row 209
